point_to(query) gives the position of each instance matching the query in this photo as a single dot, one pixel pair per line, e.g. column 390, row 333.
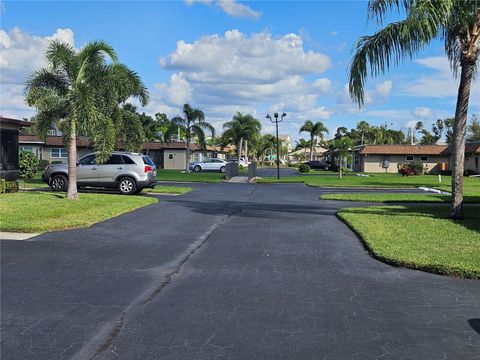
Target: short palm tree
column 194, row 125
column 457, row 22
column 342, row 147
column 315, row 130
column 302, row 144
column 81, row 91
column 241, row 128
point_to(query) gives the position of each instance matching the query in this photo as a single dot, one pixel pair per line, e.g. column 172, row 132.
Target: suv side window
column 114, row 160
column 88, row 160
column 128, row 160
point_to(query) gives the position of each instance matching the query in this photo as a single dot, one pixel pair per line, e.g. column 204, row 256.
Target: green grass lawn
column 392, row 198
column 420, row 237
column 34, row 183
column 177, row 175
column 174, row 190
column 38, row 211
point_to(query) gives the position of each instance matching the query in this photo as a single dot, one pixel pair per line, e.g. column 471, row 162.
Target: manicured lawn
column 34, row 183
column 392, row 198
column 38, row 211
column 177, row 175
column 420, row 237
column 174, row 190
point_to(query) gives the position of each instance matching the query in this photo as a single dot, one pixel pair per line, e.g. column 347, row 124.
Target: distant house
column 9, row 132
column 387, row 158
column 318, row 153
column 165, row 155
column 472, row 156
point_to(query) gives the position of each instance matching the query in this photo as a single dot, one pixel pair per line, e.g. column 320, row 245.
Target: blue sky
column 224, row 56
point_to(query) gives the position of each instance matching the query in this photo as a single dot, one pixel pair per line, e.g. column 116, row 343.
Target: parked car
column 317, row 164
column 128, row 172
column 243, row 162
column 209, row 165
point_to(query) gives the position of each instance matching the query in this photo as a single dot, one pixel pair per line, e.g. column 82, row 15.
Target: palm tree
column 317, row 129
column 194, row 125
column 81, row 91
column 457, row 22
column 302, row 144
column 240, row 128
column 364, row 128
column 342, row 146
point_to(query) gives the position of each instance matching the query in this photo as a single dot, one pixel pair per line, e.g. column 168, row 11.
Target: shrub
column 303, row 168
column 405, row 170
column 42, row 164
column 417, row 167
column 8, row 186
column 28, row 165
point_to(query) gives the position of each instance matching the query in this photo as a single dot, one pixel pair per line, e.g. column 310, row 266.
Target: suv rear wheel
column 127, row 186
column 59, row 183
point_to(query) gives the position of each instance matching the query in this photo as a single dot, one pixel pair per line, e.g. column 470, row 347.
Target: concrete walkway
column 4, row 235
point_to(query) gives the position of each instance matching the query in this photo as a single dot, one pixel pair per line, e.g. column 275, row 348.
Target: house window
column 58, row 153
column 170, row 156
column 26, row 148
column 356, row 159
column 423, row 158
column 409, row 157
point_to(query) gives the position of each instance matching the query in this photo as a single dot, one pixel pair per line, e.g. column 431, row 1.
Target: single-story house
column 165, row 155
column 472, row 157
column 9, row 133
column 387, row 158
column 318, row 154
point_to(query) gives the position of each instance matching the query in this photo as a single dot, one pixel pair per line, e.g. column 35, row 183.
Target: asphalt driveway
column 229, row 271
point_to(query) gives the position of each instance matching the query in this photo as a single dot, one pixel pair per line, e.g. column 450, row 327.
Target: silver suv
column 128, row 172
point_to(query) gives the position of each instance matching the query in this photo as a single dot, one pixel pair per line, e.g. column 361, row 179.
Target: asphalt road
column 229, row 271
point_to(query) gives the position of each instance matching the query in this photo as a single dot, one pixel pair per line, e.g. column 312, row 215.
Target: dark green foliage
column 412, row 168
column 42, row 164
column 8, row 186
column 303, row 168
column 28, row 165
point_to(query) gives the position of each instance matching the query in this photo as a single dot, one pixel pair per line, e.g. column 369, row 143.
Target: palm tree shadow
column 475, row 324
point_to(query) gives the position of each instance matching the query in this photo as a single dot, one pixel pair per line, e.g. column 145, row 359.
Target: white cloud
column 232, row 72
column 423, row 112
column 323, row 84
column 379, row 94
column 20, row 54
column 439, row 82
column 230, row 7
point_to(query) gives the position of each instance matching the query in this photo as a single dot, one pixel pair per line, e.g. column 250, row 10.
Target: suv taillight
column 147, row 169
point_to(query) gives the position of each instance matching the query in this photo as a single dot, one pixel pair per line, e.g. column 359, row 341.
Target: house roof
column 316, row 150
column 404, row 149
column 17, row 122
column 83, row 141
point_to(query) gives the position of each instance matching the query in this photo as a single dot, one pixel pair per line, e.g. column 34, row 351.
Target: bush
column 28, row 165
column 405, row 170
column 8, row 186
column 42, row 164
column 303, row 168
column 417, row 167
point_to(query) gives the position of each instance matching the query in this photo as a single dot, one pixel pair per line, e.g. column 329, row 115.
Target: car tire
column 59, row 183
column 127, row 186
column 197, row 168
column 222, row 169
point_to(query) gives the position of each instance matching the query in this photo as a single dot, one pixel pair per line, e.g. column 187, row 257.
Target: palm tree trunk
column 246, row 150
column 187, row 153
column 239, row 151
column 72, row 193
column 459, row 129
column 340, row 166
column 311, row 148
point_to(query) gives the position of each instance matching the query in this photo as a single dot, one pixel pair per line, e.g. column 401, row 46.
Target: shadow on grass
column 471, row 220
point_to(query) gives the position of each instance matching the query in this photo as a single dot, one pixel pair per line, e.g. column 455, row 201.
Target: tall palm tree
column 364, row 128
column 81, row 91
column 457, row 22
column 315, row 130
column 342, row 146
column 194, row 125
column 241, row 128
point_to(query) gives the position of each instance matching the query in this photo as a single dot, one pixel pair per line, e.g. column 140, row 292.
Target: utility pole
column 276, row 121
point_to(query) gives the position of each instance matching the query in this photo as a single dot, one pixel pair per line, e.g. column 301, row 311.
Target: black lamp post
column 276, row 121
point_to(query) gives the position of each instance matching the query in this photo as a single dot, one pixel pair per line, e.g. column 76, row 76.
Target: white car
column 209, row 165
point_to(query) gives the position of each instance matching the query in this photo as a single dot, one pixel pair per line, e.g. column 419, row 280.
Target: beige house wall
column 373, row 163
column 174, row 159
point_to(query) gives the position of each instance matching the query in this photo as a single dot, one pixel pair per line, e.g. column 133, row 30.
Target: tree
column 302, row 144
column 315, row 130
column 194, row 125
column 81, row 92
column 342, row 146
column 457, row 22
column 363, row 127
column 474, row 129
column 427, row 137
column 241, row 128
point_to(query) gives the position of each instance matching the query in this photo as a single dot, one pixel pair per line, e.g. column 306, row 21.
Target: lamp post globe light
column 276, row 120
